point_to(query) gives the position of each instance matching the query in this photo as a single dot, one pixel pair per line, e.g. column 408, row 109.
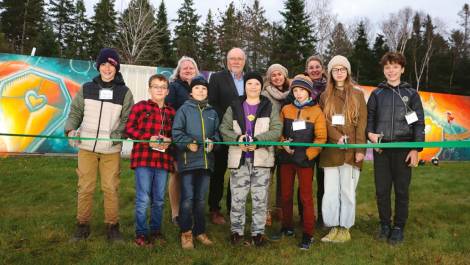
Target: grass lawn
column 38, row 200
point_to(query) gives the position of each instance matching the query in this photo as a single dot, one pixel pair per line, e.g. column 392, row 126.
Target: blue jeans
column 194, row 187
column 150, row 185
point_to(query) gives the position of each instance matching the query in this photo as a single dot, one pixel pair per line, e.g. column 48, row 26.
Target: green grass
column 37, row 217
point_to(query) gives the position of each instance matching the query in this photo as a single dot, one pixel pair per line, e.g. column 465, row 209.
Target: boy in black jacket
column 394, row 114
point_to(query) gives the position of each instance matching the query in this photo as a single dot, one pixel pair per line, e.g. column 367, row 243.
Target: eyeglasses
column 339, row 70
column 159, row 87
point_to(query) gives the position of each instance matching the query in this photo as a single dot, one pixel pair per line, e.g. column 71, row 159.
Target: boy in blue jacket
column 194, row 129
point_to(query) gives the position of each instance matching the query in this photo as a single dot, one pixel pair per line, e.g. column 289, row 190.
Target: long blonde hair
column 351, row 107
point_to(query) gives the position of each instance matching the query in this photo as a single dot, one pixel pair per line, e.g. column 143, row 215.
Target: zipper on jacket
column 393, row 115
column 203, row 137
column 185, row 161
column 99, row 124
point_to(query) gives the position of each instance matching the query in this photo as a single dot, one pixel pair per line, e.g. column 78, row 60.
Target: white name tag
column 299, row 125
column 411, row 117
column 337, row 119
column 159, row 150
column 106, row 94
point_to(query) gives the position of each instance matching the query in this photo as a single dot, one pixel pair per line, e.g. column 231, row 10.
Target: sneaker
column 217, row 218
column 204, row 240
column 113, row 234
column 236, row 239
column 342, row 236
column 82, row 232
column 306, row 242
column 187, row 240
column 396, row 236
column 384, row 232
column 330, row 237
column 140, row 241
column 259, row 240
column 156, row 237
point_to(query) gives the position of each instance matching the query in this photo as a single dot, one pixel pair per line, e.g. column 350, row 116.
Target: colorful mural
column 35, row 96
column 36, row 93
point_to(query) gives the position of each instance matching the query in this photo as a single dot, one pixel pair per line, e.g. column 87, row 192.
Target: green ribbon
column 442, row 144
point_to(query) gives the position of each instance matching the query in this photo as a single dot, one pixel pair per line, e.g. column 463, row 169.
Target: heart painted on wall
column 34, row 101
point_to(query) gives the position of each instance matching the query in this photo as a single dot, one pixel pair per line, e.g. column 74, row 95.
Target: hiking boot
column 82, row 232
column 236, row 239
column 384, row 232
column 156, row 237
column 330, row 237
column 259, row 240
column 140, row 241
column 396, row 236
column 306, row 242
column 285, row 232
column 217, row 218
column 269, row 219
column 187, row 240
column 113, row 234
column 204, row 240
column 342, row 236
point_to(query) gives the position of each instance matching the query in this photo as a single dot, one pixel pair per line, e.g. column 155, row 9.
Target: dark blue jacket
column 192, row 123
column 178, row 94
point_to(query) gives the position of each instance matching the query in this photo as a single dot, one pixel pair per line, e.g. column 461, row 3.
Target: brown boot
column 187, row 240
column 269, row 219
column 217, row 218
column 204, row 240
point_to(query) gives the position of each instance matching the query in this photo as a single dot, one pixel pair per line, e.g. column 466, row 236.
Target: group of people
column 175, row 131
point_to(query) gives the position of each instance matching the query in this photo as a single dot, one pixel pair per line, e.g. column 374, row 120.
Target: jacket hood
column 384, row 84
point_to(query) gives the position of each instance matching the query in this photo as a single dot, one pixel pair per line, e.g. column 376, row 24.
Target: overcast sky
column 347, row 10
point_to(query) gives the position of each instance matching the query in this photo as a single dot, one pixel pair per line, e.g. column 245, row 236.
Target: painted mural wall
column 36, row 93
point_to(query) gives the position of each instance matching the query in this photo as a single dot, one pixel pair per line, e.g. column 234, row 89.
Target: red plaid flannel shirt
column 145, row 120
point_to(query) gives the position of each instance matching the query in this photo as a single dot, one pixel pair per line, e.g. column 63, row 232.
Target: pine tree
column 47, row 44
column 464, row 15
column 208, row 51
column 163, row 51
column 296, row 41
column 256, row 28
column 104, row 26
column 22, row 23
column 62, row 14
column 339, row 43
column 79, row 40
column 379, row 49
column 361, row 58
column 187, row 31
column 229, row 31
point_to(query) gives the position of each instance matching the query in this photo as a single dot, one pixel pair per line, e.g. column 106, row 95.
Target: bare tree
column 324, row 21
column 397, row 29
column 137, row 32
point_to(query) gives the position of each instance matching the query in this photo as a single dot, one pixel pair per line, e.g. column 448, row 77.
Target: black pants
column 390, row 169
column 216, row 186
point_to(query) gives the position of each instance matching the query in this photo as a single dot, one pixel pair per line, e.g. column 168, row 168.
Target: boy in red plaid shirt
column 151, row 120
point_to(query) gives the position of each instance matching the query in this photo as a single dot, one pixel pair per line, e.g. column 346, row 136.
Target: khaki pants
column 109, row 168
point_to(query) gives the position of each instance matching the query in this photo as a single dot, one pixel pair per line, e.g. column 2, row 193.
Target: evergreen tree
column 229, row 31
column 164, row 51
column 296, row 41
column 274, row 37
column 464, row 15
column 361, row 58
column 379, row 49
column 62, row 14
column 187, row 31
column 208, row 52
column 79, row 40
column 256, row 28
column 339, row 43
column 22, row 23
column 104, row 27
column 47, row 44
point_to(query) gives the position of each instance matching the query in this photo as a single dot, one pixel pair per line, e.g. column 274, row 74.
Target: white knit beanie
column 339, row 60
column 276, row 67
